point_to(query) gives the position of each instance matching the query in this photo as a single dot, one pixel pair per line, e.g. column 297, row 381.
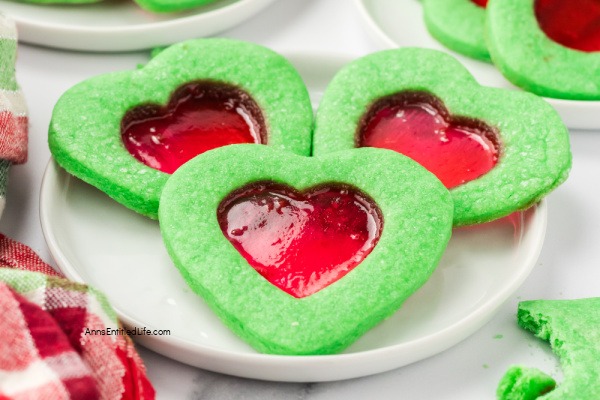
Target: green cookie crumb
column 522, row 383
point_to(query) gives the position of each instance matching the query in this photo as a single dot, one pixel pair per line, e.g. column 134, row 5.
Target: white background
column 568, row 266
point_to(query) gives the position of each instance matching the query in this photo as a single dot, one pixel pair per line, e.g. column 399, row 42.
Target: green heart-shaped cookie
column 162, row 6
column 85, row 134
column 458, row 25
column 573, row 329
column 530, row 59
column 532, row 152
column 416, row 214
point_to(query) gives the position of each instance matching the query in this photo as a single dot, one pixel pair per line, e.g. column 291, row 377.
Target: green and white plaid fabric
column 13, row 110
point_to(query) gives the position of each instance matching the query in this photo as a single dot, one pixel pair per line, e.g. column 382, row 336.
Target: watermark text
column 136, row 331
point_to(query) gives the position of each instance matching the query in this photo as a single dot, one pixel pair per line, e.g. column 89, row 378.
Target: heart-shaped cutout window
column 573, row 24
column 418, row 125
column 301, row 242
column 200, row 116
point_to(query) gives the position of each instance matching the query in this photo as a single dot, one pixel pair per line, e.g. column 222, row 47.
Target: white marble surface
column 567, row 268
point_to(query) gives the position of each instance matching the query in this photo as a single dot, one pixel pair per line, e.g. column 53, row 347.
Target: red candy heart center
column 416, row 124
column 301, row 242
column 481, row 3
column 571, row 23
column 200, row 116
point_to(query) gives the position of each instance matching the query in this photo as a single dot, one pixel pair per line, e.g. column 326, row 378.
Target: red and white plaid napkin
column 46, row 349
column 45, row 352
column 13, row 110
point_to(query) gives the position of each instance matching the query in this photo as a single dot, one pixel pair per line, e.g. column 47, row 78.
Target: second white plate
column 95, row 240
column 399, row 23
column 121, row 25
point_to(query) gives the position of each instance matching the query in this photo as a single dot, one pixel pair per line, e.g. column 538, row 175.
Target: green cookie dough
column 572, row 327
column 417, row 222
column 534, row 156
column 85, row 130
column 458, row 25
column 162, row 6
column 522, row 383
column 534, row 62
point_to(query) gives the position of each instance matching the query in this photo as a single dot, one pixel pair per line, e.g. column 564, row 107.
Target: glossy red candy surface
column 416, row 124
column 301, row 242
column 571, row 23
column 200, row 116
column 480, row 3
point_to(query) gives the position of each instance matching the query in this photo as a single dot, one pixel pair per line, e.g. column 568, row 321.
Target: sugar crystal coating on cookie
column 548, row 47
column 227, row 233
column 572, row 327
column 120, row 131
column 508, row 149
column 458, row 25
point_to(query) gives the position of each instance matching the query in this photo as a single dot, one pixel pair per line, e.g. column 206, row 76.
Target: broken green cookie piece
column 572, row 327
column 522, row 383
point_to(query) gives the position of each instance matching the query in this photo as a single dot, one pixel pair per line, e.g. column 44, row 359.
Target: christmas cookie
column 126, row 132
column 497, row 150
column 548, row 47
column 161, row 6
column 572, row 327
column 458, row 25
column 302, row 255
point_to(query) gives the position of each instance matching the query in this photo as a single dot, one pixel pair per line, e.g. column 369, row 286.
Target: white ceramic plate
column 120, row 25
column 399, row 23
column 95, row 240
